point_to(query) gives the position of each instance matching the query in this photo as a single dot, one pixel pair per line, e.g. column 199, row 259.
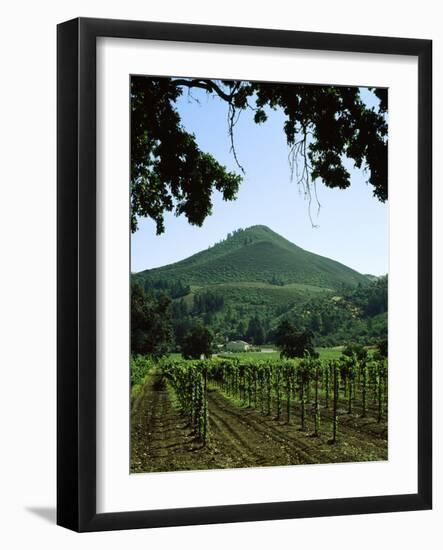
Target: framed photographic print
column 244, row 274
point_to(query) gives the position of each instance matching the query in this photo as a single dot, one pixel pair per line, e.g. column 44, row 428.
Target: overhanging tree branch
column 170, row 173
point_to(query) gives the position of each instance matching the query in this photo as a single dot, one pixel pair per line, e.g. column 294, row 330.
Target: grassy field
column 249, row 355
column 325, row 353
column 330, row 353
column 258, row 294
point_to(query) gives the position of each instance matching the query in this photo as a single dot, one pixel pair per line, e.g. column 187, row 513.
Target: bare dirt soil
column 242, row 437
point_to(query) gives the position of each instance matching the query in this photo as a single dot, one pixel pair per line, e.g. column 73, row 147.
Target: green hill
column 245, row 285
column 256, row 255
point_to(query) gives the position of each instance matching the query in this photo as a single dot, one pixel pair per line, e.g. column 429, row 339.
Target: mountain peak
column 258, row 228
column 254, row 232
column 259, row 255
column 261, row 229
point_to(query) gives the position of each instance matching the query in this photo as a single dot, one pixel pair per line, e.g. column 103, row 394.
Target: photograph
column 259, row 238
column 222, row 317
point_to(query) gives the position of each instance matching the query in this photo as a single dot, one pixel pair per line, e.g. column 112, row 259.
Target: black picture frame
column 76, row 281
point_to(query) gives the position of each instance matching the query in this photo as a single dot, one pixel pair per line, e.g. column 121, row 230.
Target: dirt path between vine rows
column 161, row 439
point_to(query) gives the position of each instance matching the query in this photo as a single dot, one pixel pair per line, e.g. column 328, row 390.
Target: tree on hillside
column 151, row 327
column 293, row 343
column 197, row 342
column 323, row 125
column 175, row 289
column 371, row 298
column 239, row 332
column 255, row 331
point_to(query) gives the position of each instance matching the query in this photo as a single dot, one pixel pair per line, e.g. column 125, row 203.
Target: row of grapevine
column 139, row 369
column 275, row 387
column 318, row 391
column 188, row 380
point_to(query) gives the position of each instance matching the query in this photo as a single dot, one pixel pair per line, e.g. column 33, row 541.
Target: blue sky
column 352, row 226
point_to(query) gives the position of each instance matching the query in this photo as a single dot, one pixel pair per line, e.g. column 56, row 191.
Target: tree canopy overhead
column 323, row 126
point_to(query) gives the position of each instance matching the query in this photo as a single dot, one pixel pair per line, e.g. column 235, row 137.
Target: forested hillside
column 244, row 286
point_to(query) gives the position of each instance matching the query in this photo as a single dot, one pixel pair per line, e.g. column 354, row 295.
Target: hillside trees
column 151, row 327
column 323, row 125
column 255, row 332
column 207, row 302
column 176, row 289
column 371, row 299
column 359, row 315
column 249, row 315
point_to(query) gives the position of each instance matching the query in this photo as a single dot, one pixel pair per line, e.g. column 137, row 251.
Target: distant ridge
column 256, row 255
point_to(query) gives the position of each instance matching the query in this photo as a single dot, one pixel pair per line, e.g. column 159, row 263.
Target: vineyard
column 220, row 413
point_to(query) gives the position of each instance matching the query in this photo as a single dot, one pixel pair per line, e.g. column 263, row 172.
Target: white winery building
column 237, row 345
